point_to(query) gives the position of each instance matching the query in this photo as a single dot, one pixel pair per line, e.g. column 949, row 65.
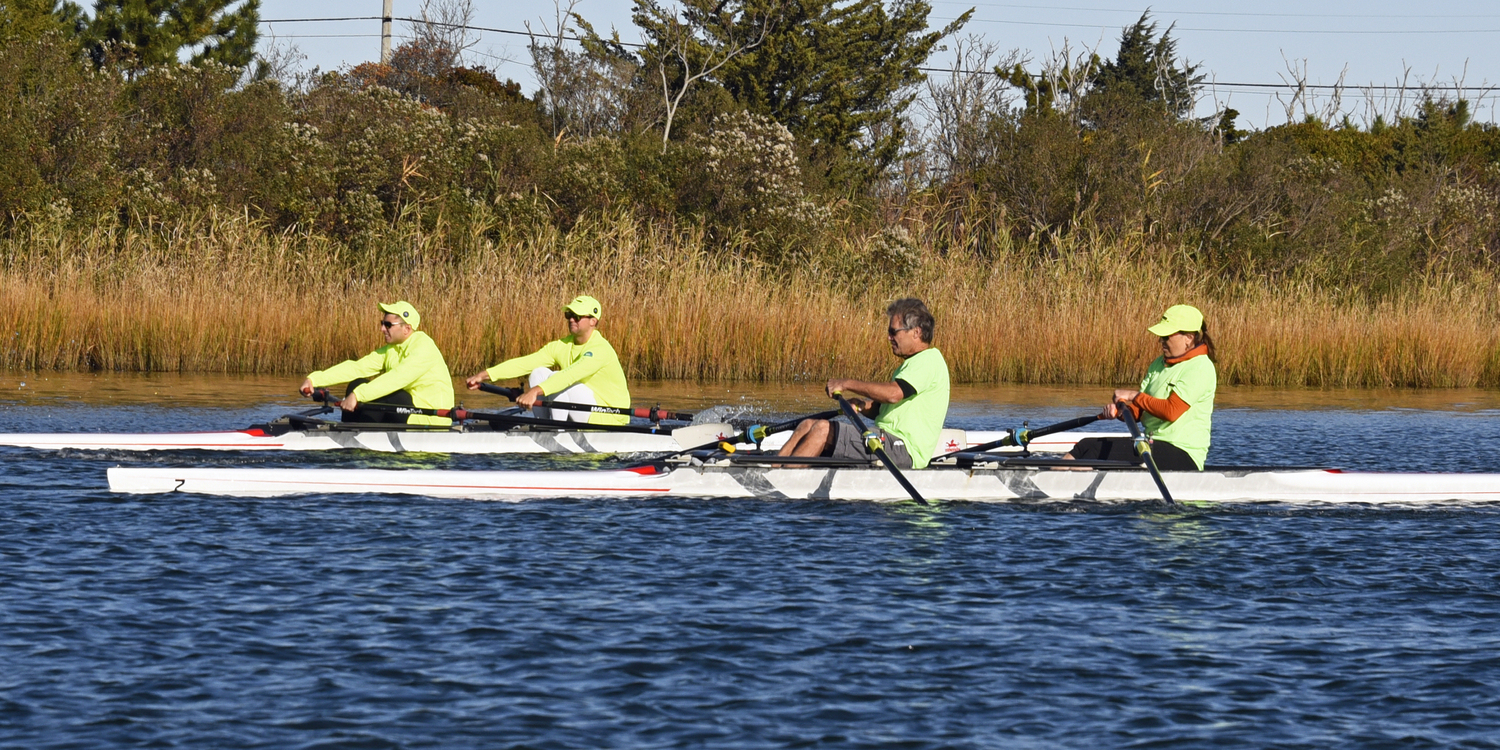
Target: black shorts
column 1168, row 457
column 362, row 415
column 844, row 441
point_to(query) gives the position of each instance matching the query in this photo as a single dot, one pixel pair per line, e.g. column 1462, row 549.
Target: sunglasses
column 891, row 332
column 388, row 324
column 570, row 315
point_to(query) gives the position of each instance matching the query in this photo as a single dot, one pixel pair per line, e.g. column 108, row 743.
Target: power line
column 1160, row 13
column 1243, row 31
column 1329, row 87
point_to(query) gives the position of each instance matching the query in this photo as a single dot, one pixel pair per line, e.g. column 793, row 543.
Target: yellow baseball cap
column 1178, row 318
column 404, row 309
column 583, row 306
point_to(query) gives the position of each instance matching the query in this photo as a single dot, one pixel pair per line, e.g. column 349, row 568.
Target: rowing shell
column 461, row 439
column 991, row 484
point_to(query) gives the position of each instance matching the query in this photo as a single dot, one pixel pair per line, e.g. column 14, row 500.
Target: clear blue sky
column 1379, row 41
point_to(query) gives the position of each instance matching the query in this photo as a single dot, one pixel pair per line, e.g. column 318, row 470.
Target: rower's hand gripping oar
column 1143, row 448
column 1023, row 436
column 655, row 413
column 873, row 443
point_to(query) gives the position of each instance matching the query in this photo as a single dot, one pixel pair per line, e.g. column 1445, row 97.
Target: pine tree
column 154, row 32
column 1147, row 68
column 26, row 20
column 838, row 74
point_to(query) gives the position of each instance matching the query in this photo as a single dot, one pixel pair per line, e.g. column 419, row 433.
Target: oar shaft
column 1010, row 437
column 1143, row 447
column 878, row 449
column 655, row 414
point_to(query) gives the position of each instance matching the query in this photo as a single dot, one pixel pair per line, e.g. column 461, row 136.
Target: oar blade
column 699, row 435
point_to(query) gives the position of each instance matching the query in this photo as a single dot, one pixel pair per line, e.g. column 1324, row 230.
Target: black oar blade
column 874, row 445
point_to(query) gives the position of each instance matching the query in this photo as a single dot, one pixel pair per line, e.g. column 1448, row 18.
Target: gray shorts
column 845, row 442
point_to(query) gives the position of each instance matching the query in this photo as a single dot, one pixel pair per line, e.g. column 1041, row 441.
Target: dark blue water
column 383, row 622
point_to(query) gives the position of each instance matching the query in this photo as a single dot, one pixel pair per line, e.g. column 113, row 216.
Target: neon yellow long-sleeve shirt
column 414, row 365
column 594, row 364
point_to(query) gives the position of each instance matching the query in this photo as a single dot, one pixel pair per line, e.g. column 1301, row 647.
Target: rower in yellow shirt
column 407, row 371
column 579, row 368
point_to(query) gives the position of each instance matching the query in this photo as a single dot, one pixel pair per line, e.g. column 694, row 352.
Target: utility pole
column 385, row 34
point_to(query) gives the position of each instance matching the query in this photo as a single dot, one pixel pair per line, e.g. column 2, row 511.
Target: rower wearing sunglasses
column 579, row 368
column 407, row 371
column 908, row 409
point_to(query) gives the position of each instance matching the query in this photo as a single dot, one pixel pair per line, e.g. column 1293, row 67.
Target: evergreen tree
column 838, row 74
column 1147, row 68
column 26, row 20
column 154, row 32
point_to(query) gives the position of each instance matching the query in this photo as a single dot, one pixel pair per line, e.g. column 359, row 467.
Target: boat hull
column 874, row 484
column 435, row 441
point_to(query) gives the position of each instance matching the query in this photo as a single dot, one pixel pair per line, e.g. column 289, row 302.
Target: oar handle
column 510, row 393
column 872, row 442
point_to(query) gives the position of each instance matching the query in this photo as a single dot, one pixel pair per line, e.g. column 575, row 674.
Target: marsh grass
column 224, row 293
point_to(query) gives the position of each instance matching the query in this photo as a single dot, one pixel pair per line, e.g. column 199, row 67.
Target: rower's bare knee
column 816, row 439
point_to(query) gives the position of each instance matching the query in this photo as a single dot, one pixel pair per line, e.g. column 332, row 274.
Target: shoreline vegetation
column 745, row 223
column 230, row 294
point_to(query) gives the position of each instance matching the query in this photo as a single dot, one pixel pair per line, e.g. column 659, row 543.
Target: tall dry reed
column 225, row 294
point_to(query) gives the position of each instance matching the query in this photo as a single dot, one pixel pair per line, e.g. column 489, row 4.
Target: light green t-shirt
column 594, row 364
column 413, row 365
column 1194, row 381
column 918, row 418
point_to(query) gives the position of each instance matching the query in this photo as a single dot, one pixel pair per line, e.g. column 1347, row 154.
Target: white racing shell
column 456, row 440
column 841, row 483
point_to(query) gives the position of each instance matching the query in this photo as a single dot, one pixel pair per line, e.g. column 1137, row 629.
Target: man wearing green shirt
column 407, row 371
column 579, row 368
column 909, row 409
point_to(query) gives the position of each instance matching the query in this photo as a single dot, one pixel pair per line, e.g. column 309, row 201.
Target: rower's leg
column 578, row 393
column 539, row 376
column 809, row 439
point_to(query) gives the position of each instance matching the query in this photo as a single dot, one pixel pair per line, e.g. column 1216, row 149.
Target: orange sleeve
column 1170, row 408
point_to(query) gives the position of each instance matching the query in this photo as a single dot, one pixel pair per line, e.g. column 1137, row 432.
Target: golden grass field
column 229, row 295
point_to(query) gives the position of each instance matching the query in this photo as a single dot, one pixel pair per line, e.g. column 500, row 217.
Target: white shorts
column 578, row 393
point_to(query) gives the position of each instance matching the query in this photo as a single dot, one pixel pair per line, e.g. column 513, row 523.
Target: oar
column 872, row 442
column 701, row 436
column 1143, row 447
column 655, row 414
column 680, row 434
column 1023, row 436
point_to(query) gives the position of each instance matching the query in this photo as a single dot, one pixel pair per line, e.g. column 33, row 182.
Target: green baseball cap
column 404, row 309
column 583, row 306
column 1178, row 318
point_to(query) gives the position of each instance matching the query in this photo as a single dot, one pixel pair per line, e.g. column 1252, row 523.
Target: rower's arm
column 368, row 366
column 522, row 366
column 422, row 357
column 1169, row 409
column 888, row 392
column 577, row 372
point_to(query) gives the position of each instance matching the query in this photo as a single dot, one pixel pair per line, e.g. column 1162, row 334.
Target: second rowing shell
column 456, row 440
column 1253, row 484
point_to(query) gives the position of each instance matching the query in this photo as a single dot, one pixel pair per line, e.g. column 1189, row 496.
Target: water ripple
column 384, row 622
